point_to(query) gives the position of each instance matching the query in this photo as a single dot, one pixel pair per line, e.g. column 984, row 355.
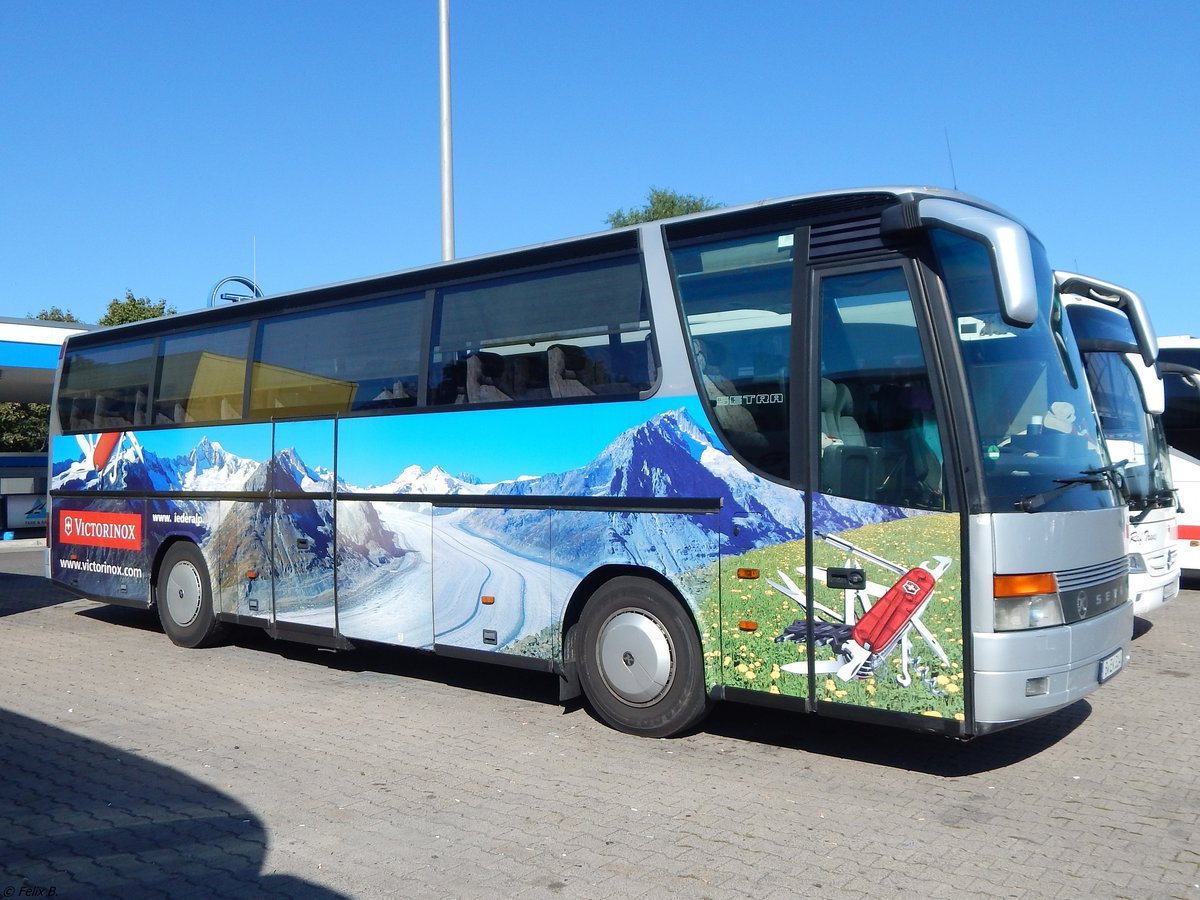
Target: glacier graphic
column 385, row 584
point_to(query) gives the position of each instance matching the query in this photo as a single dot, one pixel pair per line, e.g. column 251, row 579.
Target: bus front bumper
column 1020, row 675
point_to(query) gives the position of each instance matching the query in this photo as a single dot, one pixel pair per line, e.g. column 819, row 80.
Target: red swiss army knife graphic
column 100, row 449
column 874, row 620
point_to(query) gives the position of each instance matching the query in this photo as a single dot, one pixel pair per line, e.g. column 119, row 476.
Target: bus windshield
column 1035, row 425
column 1132, row 436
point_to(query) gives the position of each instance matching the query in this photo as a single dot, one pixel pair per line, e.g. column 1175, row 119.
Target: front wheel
column 640, row 662
column 183, row 595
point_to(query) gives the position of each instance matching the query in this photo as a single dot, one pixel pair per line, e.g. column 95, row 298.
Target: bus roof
column 611, row 240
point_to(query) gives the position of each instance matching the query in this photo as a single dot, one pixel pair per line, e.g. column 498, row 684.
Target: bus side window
column 107, row 387
column 360, row 356
column 551, row 333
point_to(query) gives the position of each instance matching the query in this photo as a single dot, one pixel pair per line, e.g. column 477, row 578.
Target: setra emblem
column 1081, row 603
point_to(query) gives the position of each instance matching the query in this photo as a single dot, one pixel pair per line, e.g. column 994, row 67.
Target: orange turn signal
column 747, row 625
column 487, row 600
column 1024, row 585
column 747, row 573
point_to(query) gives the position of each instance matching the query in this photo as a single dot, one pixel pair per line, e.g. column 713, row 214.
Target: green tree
column 23, row 426
column 134, row 309
column 661, row 204
column 54, row 314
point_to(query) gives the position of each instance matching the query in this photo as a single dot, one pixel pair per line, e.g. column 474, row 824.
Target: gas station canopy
column 29, row 356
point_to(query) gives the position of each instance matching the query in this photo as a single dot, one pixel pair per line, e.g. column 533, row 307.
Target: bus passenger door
column 302, row 524
column 886, row 615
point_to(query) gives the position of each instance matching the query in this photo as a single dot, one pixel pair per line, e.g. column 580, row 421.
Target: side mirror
column 1121, row 298
column 1007, row 242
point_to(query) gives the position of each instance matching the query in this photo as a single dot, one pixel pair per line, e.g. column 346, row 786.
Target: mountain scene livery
column 383, row 548
column 669, row 456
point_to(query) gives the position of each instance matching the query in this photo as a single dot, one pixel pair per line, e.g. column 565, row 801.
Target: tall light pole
column 447, row 146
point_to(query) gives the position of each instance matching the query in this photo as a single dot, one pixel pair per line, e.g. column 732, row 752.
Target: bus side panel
column 893, row 643
column 100, row 548
column 1185, row 470
column 684, row 547
column 491, row 592
column 239, row 558
column 530, row 557
column 201, row 460
column 385, row 571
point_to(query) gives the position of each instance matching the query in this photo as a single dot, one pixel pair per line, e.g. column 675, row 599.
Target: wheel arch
column 593, row 582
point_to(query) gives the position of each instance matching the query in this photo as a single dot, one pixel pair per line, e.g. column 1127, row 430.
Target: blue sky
column 160, row 147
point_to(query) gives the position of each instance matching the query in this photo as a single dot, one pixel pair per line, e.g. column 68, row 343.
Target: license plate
column 1170, row 591
column 1111, row 665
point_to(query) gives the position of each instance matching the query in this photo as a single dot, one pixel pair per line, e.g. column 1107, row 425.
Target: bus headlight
column 1137, row 564
column 1026, row 601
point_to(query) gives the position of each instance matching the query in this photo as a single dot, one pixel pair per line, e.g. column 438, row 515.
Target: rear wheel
column 184, row 598
column 640, row 662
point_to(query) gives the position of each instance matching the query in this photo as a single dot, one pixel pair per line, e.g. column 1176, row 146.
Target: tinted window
column 106, row 387
column 737, row 304
column 1181, row 420
column 202, row 376
column 579, row 331
column 320, row 362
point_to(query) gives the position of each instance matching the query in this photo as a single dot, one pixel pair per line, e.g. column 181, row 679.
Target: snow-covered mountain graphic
column 669, row 456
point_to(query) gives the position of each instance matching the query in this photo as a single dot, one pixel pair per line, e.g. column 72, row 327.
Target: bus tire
column 183, row 594
column 639, row 659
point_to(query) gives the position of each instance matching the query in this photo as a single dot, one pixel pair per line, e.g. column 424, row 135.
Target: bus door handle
column 846, row 579
column 303, row 543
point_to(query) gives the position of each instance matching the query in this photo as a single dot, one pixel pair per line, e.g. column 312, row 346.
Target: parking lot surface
column 130, row 767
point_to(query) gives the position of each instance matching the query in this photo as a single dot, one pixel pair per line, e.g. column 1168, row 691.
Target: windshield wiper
column 1160, row 499
column 1110, row 474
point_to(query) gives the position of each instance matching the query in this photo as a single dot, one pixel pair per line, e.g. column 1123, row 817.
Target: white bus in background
column 1179, row 362
column 1119, row 350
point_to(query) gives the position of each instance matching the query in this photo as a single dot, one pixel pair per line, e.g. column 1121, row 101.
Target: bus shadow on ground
column 25, row 593
column 85, row 819
column 882, row 745
column 896, row 748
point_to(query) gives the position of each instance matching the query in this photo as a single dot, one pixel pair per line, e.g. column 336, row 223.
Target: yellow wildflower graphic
column 830, row 685
column 932, row 713
column 962, row 717
column 952, row 688
column 728, row 661
column 839, row 694
column 942, row 681
column 773, row 689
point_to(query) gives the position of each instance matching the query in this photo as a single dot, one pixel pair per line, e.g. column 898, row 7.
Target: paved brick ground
column 129, row 768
